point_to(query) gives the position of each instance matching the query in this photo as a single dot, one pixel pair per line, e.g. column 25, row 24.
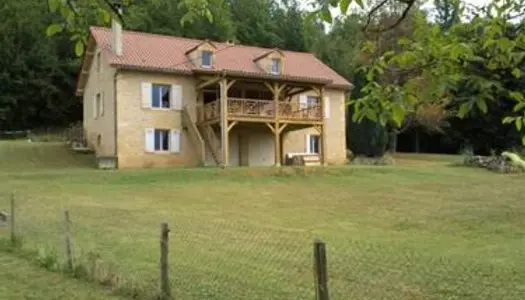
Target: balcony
column 263, row 110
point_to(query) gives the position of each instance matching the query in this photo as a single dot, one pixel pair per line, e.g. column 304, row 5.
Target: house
column 153, row 100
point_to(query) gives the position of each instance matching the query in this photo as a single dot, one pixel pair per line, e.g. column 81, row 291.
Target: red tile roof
column 167, row 53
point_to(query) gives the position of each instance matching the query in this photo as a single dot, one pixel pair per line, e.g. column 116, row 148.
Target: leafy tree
column 37, row 73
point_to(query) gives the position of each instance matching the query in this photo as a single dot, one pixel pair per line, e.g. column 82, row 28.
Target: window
column 160, row 96
column 313, row 144
column 162, row 140
column 98, row 106
column 206, row 59
column 276, row 66
column 312, row 101
column 98, row 62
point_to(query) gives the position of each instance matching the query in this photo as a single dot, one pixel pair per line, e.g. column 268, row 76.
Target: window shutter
column 307, row 144
column 175, row 141
column 149, row 140
column 146, row 94
column 327, row 107
column 176, row 97
column 303, row 102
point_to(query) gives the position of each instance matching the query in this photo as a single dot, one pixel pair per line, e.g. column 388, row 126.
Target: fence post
column 165, row 291
column 69, row 254
column 12, row 220
column 321, row 273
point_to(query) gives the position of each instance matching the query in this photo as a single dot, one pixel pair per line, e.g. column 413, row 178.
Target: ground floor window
column 313, row 143
column 162, row 140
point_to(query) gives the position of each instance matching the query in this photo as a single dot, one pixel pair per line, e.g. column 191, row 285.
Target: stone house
column 153, row 100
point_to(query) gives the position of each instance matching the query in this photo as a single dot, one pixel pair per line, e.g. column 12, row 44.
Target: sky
column 428, row 5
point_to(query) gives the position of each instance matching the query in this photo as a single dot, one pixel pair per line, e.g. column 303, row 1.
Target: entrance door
column 244, row 149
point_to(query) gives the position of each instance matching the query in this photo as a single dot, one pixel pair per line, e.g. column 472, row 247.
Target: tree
column 440, row 58
column 37, row 73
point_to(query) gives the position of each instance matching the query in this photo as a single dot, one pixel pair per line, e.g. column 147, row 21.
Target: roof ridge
column 224, row 44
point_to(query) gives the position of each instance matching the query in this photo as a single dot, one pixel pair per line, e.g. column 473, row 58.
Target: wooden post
column 69, row 253
column 12, row 220
column 277, row 145
column 321, row 273
column 276, row 90
column 224, row 123
column 324, row 146
column 165, row 291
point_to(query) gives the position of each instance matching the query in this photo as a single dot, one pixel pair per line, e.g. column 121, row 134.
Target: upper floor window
column 206, row 59
column 312, row 101
column 160, row 96
column 98, row 62
column 276, row 66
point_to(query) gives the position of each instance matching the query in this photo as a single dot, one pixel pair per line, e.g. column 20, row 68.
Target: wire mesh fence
column 234, row 259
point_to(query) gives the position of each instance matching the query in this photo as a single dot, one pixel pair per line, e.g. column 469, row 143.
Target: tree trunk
column 416, row 142
column 392, row 141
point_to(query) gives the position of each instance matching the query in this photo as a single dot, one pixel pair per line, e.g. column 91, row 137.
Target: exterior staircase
column 194, row 133
column 212, row 142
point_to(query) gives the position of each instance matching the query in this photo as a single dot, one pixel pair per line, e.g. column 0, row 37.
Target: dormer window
column 206, row 59
column 276, row 66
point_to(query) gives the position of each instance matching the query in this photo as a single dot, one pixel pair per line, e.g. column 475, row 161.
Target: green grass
column 421, row 229
column 21, row 280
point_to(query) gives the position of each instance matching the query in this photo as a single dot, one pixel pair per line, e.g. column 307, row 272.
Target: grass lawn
column 421, row 229
column 21, row 280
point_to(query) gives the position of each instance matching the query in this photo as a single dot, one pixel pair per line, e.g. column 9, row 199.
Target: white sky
column 428, row 5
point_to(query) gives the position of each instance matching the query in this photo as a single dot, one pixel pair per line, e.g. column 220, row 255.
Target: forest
column 441, row 76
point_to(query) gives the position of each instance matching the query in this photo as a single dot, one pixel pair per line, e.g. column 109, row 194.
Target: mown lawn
column 21, row 280
column 422, row 229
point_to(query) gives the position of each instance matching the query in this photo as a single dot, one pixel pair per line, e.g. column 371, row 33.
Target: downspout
column 115, row 120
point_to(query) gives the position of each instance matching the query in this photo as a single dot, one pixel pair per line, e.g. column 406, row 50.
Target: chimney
column 116, row 32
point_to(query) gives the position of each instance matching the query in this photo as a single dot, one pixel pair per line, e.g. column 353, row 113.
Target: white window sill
column 162, row 109
column 163, row 153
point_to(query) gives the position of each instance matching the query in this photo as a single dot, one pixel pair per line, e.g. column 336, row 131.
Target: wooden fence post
column 69, row 254
column 12, row 220
column 321, row 273
column 165, row 291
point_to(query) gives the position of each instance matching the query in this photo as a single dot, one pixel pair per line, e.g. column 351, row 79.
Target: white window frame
column 309, row 149
column 276, row 61
column 211, row 59
column 151, row 141
column 158, row 87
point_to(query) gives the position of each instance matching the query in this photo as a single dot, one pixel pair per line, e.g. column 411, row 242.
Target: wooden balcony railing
column 260, row 109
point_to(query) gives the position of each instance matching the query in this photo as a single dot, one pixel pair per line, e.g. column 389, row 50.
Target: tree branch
column 409, row 3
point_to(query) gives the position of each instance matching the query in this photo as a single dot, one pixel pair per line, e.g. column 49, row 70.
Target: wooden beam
column 208, row 82
column 230, row 83
column 269, row 86
column 299, row 91
column 225, row 145
column 270, row 126
column 319, row 128
column 277, row 146
column 282, row 127
column 231, row 125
